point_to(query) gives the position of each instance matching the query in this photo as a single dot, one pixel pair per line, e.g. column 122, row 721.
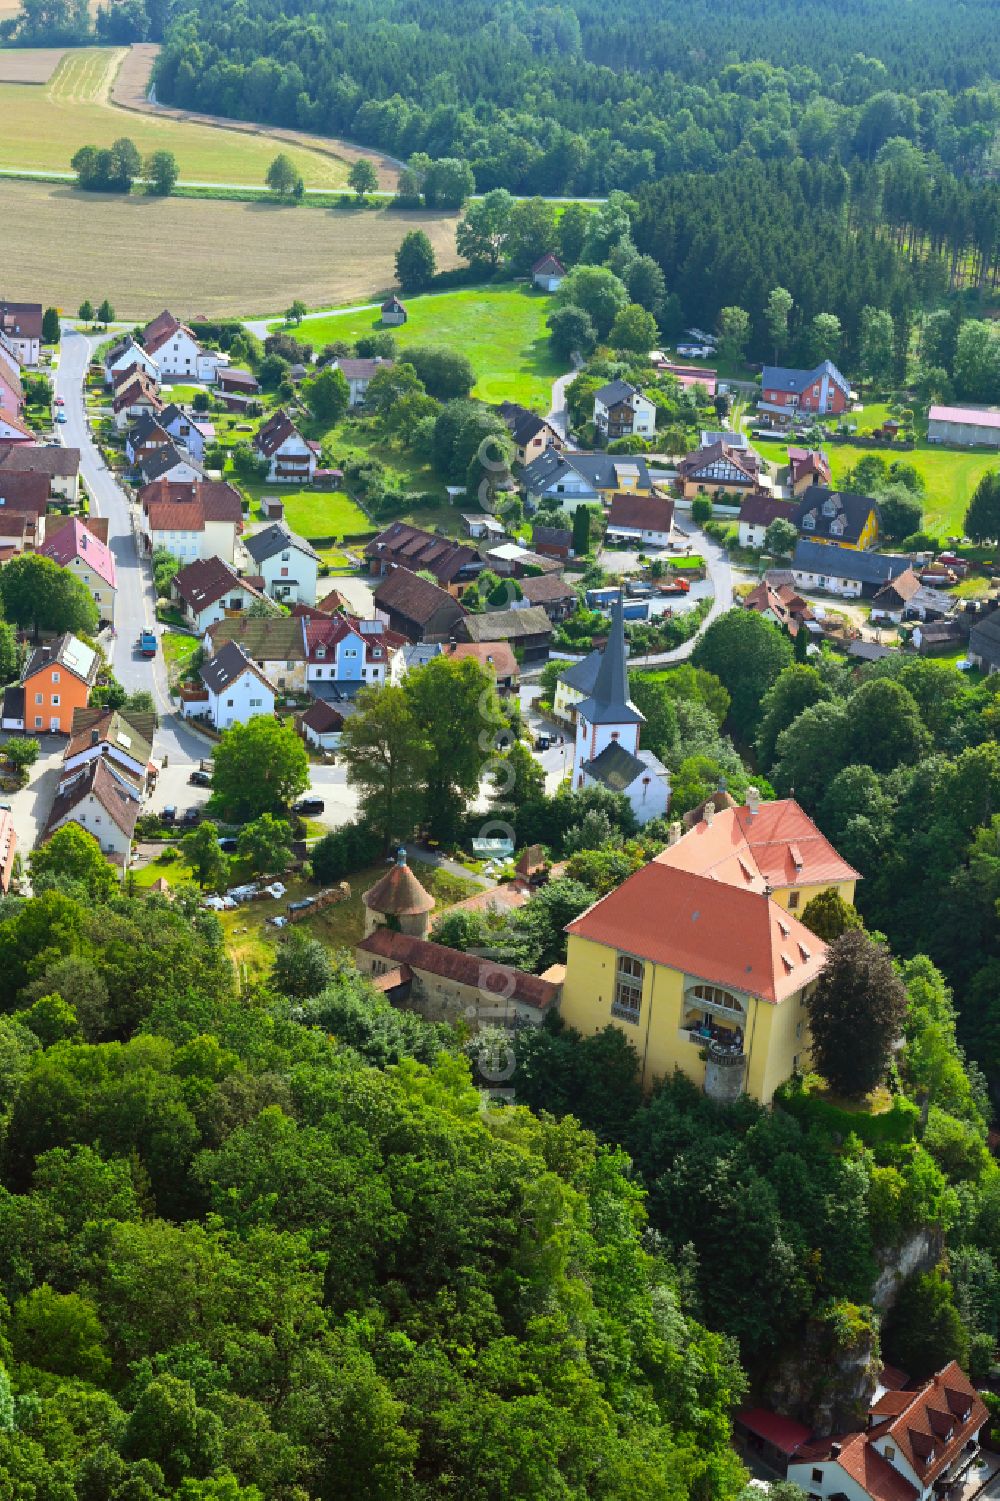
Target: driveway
column 32, row 804
column 558, row 415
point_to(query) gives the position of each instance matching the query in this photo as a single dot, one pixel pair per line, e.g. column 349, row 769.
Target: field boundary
column 130, row 92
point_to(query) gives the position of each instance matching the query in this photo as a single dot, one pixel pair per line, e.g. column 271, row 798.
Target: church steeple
column 609, row 703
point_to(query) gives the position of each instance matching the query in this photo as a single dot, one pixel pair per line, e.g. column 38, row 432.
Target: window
column 889, row 1452
column 817, row 1474
column 793, row 900
column 229, row 703
column 628, row 989
column 255, row 703
column 716, row 996
column 55, row 677
column 55, row 700
column 38, row 721
column 798, row 1030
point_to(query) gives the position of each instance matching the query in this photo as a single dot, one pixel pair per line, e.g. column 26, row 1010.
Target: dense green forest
column 570, row 98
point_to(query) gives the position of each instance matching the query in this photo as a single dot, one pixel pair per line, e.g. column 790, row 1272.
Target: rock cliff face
column 920, row 1253
column 828, row 1380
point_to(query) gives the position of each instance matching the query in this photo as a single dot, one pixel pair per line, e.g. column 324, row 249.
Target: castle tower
column 398, row 901
column 608, row 716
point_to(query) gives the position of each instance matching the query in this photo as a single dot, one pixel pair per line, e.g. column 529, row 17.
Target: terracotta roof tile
column 765, row 841
column 465, row 969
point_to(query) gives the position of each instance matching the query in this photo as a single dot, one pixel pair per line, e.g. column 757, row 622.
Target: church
column 606, row 752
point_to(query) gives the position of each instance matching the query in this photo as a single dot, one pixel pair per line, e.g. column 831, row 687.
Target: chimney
column 709, row 813
column 834, row 1451
column 753, row 800
column 673, row 834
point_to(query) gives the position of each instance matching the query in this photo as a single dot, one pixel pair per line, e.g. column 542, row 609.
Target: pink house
column 75, row 547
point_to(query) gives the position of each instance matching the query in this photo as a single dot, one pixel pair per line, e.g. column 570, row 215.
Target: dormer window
column 809, row 522
column 320, row 653
column 837, row 527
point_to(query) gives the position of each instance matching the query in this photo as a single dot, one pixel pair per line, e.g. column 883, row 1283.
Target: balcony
column 725, row 1069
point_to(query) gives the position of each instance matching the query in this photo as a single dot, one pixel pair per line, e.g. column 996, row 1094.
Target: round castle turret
column 398, row 901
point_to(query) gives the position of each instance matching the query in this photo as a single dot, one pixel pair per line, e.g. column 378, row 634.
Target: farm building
column 967, row 426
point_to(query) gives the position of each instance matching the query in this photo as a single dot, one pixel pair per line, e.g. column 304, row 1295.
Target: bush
column 701, row 509
column 800, row 1097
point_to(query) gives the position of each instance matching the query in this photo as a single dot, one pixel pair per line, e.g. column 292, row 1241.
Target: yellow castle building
column 699, row 957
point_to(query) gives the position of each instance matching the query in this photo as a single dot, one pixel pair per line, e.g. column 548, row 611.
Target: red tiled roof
column 859, row 1459
column 162, row 328
column 707, row 928
column 185, row 505
column 398, row 893
column 784, row 1433
column 495, row 654
column 207, row 580
column 947, row 1404
column 761, row 510
column 465, row 969
column 750, row 850
column 77, row 541
column 44, row 458
column 140, row 386
column 24, row 490
column 649, row 512
column 322, row 717
column 276, row 431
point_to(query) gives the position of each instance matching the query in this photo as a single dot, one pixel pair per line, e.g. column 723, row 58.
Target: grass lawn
column 250, row 941
column 314, row 513
column 950, row 475
column 500, row 328
column 178, row 650
column 42, row 125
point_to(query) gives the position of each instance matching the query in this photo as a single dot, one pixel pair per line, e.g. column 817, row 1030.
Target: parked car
column 192, row 815
column 301, row 905
column 200, row 778
column 227, row 845
column 60, row 416
column 169, row 814
column 60, row 401
column 308, row 805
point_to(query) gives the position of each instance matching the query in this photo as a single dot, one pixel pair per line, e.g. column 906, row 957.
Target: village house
column 61, row 466
column 644, row 520
column 621, row 410
column 965, row 426
column 843, row 570
column 819, row 392
column 699, row 957
column 530, row 434
column 233, row 690
column 806, row 467
column 916, row 1445
column 102, row 804
column 782, row 605
column 190, row 431
column 511, row 560
column 548, row 273
column 905, row 598
column 14, row 538
column 128, row 358
column 11, row 390
column 344, row 652
column 24, row 503
column 571, row 479
column 480, row 525
column 552, row 541
column 276, row 644
column 403, row 546
column 56, row 681
column 122, row 738
column 838, row 517
column 75, row 547
column 208, row 590
column 178, row 353
column 136, row 397
column 21, row 326
column 171, row 464
column 358, row 374
column 929, row 638
column 14, row 430
column 721, row 467
column 393, row 312
column 199, row 520
column 320, row 725
column 756, row 514
column 496, row 656
column 984, row 643
column 528, row 630
column 237, row 385
column 291, row 458
column 606, row 749
column 556, row 597
column 287, row 563
column 147, row 435
column 416, row 608
column 8, row 849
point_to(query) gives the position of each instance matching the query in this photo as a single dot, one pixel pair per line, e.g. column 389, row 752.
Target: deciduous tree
column 482, row 235
column 855, row 1014
column 266, row 844
column 362, row 177
column 207, row 861
column 387, row 754
column 161, row 172
column 37, row 593
column 415, row 262
column 73, row 855
column 259, row 767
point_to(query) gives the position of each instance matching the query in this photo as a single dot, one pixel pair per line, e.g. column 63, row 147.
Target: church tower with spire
column 608, row 726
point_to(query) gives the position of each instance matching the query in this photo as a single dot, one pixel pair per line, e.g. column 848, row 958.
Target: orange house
column 57, row 680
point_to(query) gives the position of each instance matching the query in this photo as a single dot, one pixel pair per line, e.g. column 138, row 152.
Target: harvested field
column 60, row 246
column 29, row 64
column 41, row 128
column 131, row 90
